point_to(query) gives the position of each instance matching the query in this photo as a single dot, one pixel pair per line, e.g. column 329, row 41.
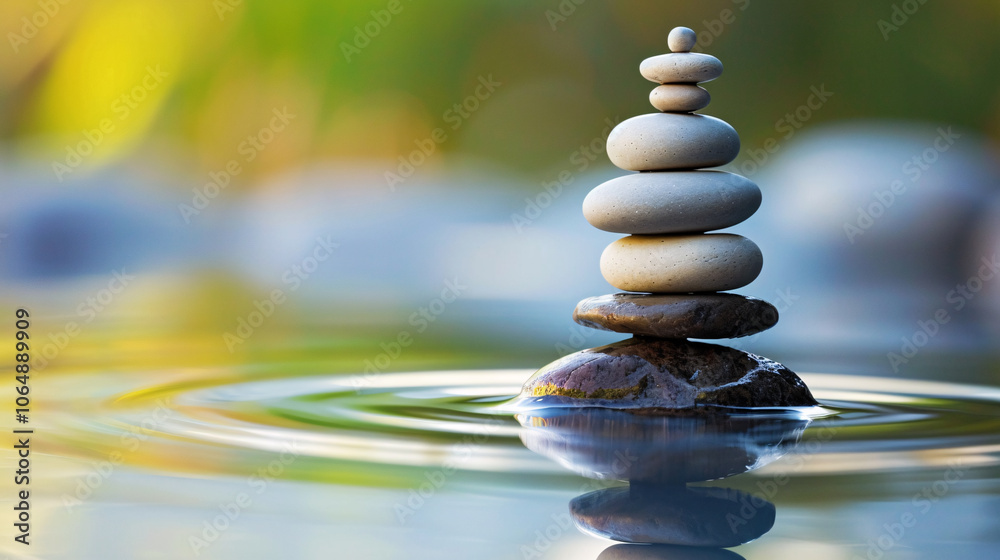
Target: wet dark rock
column 613, row 444
column 665, row 552
column 677, row 315
column 666, row 374
column 689, row 516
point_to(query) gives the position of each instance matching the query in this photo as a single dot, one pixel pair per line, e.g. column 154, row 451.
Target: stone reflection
column 659, row 455
column 696, row 516
column 665, row 552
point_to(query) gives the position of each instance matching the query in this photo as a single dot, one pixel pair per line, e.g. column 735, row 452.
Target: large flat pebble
column 679, row 98
column 681, row 68
column 671, row 202
column 711, row 262
column 662, row 141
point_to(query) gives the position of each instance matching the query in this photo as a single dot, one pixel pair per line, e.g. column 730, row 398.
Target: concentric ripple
column 421, row 419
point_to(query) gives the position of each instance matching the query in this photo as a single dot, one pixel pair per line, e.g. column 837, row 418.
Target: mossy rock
column 667, row 374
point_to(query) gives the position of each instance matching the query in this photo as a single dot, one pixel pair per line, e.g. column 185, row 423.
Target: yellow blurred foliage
column 112, row 77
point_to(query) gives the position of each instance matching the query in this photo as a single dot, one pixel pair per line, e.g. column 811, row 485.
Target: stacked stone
column 679, row 268
column 668, row 208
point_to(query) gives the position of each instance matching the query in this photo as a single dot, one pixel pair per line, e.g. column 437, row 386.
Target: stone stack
column 668, row 208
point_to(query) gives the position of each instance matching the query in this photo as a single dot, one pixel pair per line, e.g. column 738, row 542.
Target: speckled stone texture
column 681, row 68
column 695, row 516
column 679, row 98
column 677, row 315
column 670, row 374
column 707, row 262
column 671, row 202
column 682, row 39
column 662, row 141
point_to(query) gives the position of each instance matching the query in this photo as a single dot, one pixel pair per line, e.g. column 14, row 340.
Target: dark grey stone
column 667, row 374
column 677, row 315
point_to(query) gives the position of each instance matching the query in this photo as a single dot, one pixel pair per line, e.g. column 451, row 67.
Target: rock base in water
column 668, row 374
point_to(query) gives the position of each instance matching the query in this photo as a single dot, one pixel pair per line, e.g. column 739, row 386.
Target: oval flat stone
column 661, row 141
column 668, row 374
column 677, row 315
column 679, row 98
column 695, row 516
column 681, row 68
column 671, row 202
column 712, row 262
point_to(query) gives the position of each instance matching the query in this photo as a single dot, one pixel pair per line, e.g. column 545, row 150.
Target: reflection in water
column 619, row 445
column 665, row 552
column 363, row 453
column 696, row 516
column 659, row 455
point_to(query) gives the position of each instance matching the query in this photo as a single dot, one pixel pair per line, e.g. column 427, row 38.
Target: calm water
column 267, row 462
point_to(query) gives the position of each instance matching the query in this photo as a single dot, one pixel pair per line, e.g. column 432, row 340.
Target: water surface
column 277, row 462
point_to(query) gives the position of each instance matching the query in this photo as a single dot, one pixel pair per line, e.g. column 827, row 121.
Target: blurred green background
column 199, row 195
column 117, row 115
column 562, row 75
